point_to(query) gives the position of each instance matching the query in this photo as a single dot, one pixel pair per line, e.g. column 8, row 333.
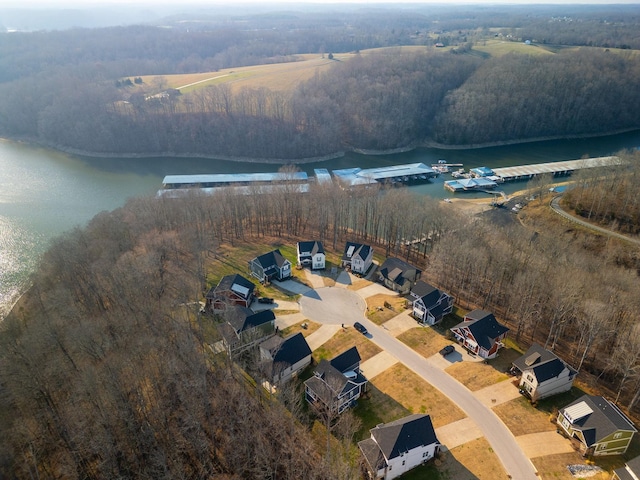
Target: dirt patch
column 310, row 328
column 473, row 460
column 416, row 395
column 555, row 466
column 378, row 310
column 343, row 340
column 476, row 376
column 423, row 340
column 522, row 418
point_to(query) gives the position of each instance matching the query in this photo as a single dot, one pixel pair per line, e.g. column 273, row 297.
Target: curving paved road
column 331, row 305
column 555, row 206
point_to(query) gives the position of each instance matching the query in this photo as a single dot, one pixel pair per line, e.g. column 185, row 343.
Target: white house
column 396, row 447
column 542, row 373
column 311, row 254
column 358, row 257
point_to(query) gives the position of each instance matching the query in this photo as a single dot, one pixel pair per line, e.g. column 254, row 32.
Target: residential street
column 504, row 444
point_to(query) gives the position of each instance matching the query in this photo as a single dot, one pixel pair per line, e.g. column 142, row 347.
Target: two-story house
column 311, row 254
column 270, row 266
column 396, row 447
column 597, row 426
column 429, row 305
column 398, row 275
column 542, row 373
column 283, row 358
column 232, row 290
column 243, row 328
column 336, row 384
column 357, row 257
column 480, row 333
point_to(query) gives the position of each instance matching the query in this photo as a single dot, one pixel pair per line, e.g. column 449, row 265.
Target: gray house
column 283, row 358
column 542, row 373
column 336, row 384
column 429, row 304
column 270, row 266
column 243, row 328
column 398, row 275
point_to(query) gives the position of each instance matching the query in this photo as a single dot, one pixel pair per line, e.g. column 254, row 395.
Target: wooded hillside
column 71, row 89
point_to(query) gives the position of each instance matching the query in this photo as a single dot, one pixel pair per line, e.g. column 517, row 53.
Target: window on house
column 530, row 378
column 403, row 462
column 618, row 435
column 602, row 446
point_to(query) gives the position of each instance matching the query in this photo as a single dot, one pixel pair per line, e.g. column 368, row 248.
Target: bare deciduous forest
column 103, row 369
column 65, row 88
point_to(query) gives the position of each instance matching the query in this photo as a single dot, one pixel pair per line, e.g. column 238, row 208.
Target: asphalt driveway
column 332, row 306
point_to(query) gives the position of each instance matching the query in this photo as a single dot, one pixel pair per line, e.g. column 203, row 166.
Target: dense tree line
column 522, row 96
column 103, row 369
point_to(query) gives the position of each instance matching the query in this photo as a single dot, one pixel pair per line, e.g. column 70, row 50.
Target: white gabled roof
column 242, row 290
column 577, row 411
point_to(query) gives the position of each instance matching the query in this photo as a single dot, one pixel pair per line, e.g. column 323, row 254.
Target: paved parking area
column 543, row 443
column 377, row 364
column 498, row 393
column 322, row 335
column 332, row 305
column 400, row 323
column 457, row 433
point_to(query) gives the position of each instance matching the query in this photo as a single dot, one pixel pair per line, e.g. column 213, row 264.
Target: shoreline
column 321, row 158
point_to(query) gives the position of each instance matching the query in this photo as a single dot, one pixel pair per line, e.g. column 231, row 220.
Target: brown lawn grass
column 470, row 461
column 358, row 284
column 423, row 340
column 376, row 407
column 311, row 327
column 555, row 466
column 475, row 375
column 378, row 313
column 343, row 340
column 522, row 418
column 416, row 395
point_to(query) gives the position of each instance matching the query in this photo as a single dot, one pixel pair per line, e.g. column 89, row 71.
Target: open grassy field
column 282, row 77
column 378, row 313
column 472, row 460
column 416, row 395
column 477, row 375
column 522, row 418
column 497, row 48
column 310, row 328
column 425, row 341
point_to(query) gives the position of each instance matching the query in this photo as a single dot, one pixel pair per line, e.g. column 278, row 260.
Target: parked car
column 265, row 300
column 361, row 328
column 447, row 350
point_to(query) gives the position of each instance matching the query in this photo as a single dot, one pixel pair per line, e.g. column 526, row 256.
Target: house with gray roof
column 284, row 358
column 398, row 275
column 396, row 447
column 358, row 257
column 243, row 328
column 336, row 384
column 429, row 305
column 630, row 471
column 480, row 333
column 270, row 266
column 311, row 254
column 596, row 426
column 542, row 373
column 232, row 290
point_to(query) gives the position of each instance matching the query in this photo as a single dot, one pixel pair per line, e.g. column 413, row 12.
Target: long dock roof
column 231, row 178
column 508, row 173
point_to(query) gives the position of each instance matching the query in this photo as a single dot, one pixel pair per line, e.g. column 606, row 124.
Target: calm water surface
column 44, row 193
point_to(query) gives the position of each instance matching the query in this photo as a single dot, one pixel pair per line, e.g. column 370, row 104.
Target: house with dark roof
column 232, row 290
column 596, row 426
column 311, row 254
column 480, row 333
column 542, row 373
column 270, row 266
column 396, row 447
column 429, row 305
column 357, row 257
column 398, row 275
column 243, row 328
column 336, row 384
column 284, row 358
column 630, row 471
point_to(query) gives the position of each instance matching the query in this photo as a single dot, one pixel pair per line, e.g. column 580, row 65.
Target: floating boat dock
column 567, row 167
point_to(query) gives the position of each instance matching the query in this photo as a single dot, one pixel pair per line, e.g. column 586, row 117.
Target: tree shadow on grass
column 376, row 407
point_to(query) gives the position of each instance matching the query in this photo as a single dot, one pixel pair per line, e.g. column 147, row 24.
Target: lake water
column 44, row 193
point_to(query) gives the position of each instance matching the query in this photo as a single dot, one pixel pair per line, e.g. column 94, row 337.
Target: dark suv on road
column 361, row 328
